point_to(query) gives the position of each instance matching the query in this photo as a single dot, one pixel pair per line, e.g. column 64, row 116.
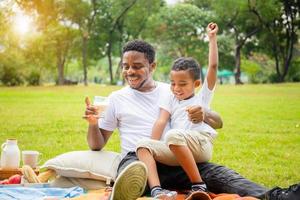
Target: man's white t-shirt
column 133, row 113
column 179, row 115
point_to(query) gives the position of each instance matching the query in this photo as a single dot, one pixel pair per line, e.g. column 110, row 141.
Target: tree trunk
column 277, row 64
column 60, row 67
column 290, row 36
column 84, row 57
column 118, row 71
column 282, row 42
column 113, row 28
column 201, row 74
column 237, row 70
column 110, row 62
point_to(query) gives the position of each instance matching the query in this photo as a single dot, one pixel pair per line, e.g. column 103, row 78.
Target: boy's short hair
column 189, row 64
column 140, row 46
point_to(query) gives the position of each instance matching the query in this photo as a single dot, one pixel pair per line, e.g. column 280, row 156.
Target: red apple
column 15, row 179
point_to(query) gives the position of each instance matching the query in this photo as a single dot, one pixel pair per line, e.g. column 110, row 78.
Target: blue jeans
column 218, row 178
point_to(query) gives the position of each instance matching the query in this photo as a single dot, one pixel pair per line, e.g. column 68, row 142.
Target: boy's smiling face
column 182, row 84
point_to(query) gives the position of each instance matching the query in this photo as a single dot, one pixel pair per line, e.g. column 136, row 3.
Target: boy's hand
column 196, row 114
column 212, row 29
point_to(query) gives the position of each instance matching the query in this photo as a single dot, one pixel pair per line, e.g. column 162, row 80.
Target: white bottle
column 10, row 155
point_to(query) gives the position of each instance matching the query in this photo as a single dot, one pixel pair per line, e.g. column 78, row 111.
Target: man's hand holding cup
column 93, row 112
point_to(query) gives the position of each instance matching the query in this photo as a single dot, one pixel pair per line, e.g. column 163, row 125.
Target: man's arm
column 96, row 137
column 198, row 114
column 213, row 119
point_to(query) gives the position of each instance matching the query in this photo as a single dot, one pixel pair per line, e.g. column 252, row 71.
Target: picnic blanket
column 102, row 194
column 38, row 193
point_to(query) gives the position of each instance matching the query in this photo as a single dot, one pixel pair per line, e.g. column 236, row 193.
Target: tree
column 116, row 25
column 180, row 30
column 120, row 21
column 280, row 19
column 241, row 24
column 11, row 61
column 134, row 23
column 203, row 4
column 83, row 14
column 225, row 40
column 55, row 27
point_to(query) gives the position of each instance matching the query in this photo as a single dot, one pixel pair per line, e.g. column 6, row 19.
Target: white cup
column 30, row 158
column 101, row 103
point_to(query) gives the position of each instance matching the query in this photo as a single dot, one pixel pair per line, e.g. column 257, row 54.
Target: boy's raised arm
column 213, row 55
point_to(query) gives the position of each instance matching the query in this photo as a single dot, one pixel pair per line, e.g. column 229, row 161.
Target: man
column 133, row 110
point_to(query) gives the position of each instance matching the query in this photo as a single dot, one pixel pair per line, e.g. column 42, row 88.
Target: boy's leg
column 190, row 147
column 148, row 151
column 159, row 151
column 146, row 157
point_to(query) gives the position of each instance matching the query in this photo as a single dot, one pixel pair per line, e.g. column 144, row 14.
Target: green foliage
column 135, row 22
column 239, row 15
column 279, row 37
column 253, row 70
column 178, row 30
column 294, row 73
column 34, row 78
column 206, row 4
column 250, row 67
column 10, row 76
column 226, row 52
column 259, row 68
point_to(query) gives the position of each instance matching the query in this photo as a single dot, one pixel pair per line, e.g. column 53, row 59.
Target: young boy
column 186, row 143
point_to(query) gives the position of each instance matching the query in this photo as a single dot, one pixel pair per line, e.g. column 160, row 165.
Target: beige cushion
column 98, row 165
column 85, row 183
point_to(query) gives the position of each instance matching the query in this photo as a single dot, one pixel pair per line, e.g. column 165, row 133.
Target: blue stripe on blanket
column 32, row 193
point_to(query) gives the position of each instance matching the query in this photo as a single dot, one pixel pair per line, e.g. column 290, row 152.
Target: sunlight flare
column 22, row 24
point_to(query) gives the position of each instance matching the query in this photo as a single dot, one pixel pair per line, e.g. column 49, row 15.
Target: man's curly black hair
column 189, row 64
column 140, row 46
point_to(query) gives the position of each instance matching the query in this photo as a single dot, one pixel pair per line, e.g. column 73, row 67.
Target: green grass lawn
column 260, row 138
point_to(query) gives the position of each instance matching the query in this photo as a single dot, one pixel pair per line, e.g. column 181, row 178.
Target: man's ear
column 197, row 83
column 152, row 67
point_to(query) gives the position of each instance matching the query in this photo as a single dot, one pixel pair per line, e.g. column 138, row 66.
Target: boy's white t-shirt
column 179, row 116
column 134, row 114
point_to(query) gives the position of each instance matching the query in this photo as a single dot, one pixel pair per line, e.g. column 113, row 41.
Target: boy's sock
column 158, row 193
column 199, row 187
column 155, row 190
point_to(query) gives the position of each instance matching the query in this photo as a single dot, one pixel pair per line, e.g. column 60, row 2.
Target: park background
column 53, row 53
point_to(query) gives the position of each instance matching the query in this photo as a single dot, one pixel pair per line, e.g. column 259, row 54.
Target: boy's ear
column 197, row 83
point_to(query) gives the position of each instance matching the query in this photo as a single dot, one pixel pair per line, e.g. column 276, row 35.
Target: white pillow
column 99, row 165
column 85, row 183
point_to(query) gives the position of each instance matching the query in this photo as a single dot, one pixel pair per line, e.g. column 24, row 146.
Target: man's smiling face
column 137, row 70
